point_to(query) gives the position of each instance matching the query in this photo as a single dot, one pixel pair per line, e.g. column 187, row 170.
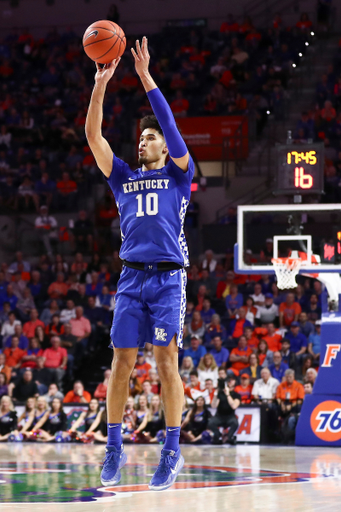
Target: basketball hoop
column 286, row 271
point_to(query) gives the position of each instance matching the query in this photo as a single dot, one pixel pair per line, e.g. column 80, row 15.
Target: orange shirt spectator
column 244, row 389
column 239, row 356
column 180, row 106
column 54, row 357
column 229, row 26
column 142, row 371
column 71, row 396
column 66, row 186
column 13, row 356
column 274, row 342
column 80, row 326
column 288, row 312
column 57, row 290
column 294, row 391
column 30, row 327
column 4, row 368
column 226, row 78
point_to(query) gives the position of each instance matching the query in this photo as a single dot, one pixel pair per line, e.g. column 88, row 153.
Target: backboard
column 270, row 231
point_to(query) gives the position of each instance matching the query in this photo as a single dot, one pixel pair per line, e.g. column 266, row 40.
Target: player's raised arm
column 176, row 146
column 93, row 125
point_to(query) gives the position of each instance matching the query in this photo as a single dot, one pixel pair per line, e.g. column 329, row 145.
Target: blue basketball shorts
column 150, row 307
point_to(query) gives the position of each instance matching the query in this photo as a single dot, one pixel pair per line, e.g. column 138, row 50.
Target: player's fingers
column 138, row 48
column 97, row 66
column 134, row 55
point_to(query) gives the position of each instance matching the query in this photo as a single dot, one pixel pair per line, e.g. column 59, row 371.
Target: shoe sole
column 115, row 481
column 164, row 487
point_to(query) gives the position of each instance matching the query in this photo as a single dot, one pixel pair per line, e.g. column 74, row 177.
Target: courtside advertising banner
column 249, row 424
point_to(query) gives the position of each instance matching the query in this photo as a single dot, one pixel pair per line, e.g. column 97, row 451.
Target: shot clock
column 299, row 169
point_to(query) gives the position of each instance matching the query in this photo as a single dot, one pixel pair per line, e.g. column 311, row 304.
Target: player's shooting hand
column 141, row 56
column 104, row 73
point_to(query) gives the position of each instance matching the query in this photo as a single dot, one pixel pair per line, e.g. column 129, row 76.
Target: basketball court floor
column 61, row 478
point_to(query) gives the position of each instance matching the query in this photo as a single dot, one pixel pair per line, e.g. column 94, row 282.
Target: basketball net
column 286, row 271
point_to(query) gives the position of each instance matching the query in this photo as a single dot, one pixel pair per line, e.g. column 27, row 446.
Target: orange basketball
column 104, row 41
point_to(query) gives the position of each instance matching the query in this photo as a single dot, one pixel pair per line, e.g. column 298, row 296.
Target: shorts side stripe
column 182, row 307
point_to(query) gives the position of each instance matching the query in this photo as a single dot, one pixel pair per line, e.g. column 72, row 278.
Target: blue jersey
column 152, row 207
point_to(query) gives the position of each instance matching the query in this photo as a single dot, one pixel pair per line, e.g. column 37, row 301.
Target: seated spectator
column 3, row 385
column 223, row 288
column 81, row 328
column 209, row 389
column 238, row 324
column 306, row 327
column 78, row 394
column 55, row 327
column 8, row 327
column 239, row 356
column 4, row 368
column 244, row 389
column 10, row 297
column 314, row 343
column 154, row 379
column 179, row 105
column 45, row 189
column 101, row 390
column 58, row 289
column 186, row 367
column 18, row 283
column 146, row 391
column 14, row 355
column 142, row 367
column 292, row 389
column 88, row 418
column 278, row 367
column 269, row 312
column 83, row 233
column 53, row 309
column 196, row 421
column 152, row 422
column 207, row 312
column 220, row 353
column 215, row 329
column 106, row 301
column 19, row 259
column 33, row 351
column 253, row 369
column 30, row 326
column 233, row 301
column 193, row 389
column 25, row 305
column 96, row 317
column 264, row 389
column 95, row 287
column 298, row 342
column 46, row 228
column 250, row 310
column 196, row 350
column 26, row 387
column 288, row 356
column 52, row 393
column 252, row 340
column 68, row 313
column 8, row 418
column 227, row 400
column 310, row 376
column 207, row 369
column 197, row 326
column 66, row 192
column 289, row 310
column 265, row 356
column 273, row 338
column 55, row 360
column 257, row 296
column 42, row 376
column 303, row 367
column 313, row 309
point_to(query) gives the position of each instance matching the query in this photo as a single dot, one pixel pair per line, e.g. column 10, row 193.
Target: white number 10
column 152, row 204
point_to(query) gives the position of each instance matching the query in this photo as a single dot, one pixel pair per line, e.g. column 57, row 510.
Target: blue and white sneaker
column 171, row 463
column 113, row 461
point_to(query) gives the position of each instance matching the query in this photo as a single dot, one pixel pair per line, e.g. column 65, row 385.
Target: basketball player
column 150, row 300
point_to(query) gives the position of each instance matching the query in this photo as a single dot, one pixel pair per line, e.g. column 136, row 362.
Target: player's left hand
column 141, row 56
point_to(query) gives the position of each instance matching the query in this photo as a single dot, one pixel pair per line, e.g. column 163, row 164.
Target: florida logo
column 325, row 421
column 53, row 482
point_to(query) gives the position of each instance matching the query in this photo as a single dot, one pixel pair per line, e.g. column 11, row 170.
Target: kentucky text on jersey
column 152, row 207
column 135, row 186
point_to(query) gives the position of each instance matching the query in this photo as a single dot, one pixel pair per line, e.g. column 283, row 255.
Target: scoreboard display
column 299, row 169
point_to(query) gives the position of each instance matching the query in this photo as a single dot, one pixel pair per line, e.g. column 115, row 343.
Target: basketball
column 104, row 41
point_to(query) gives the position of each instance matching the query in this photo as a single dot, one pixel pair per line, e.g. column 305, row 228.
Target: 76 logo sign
column 325, row 421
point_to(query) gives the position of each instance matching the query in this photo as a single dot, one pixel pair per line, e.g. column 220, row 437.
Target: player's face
column 152, row 147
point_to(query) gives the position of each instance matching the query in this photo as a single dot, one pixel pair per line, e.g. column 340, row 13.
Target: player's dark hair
column 150, row 122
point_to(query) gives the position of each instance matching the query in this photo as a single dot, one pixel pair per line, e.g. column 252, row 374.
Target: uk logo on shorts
column 325, row 421
column 160, row 334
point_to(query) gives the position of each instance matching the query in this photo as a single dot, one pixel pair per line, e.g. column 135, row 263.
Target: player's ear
column 165, row 149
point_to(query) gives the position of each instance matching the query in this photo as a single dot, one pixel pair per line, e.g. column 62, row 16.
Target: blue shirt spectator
column 306, row 327
column 278, row 367
column 23, row 342
column 233, row 301
column 221, row 354
column 315, row 340
column 95, row 287
column 196, row 351
column 297, row 340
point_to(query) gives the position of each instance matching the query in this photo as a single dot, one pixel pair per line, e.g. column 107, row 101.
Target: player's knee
column 122, row 365
column 167, row 368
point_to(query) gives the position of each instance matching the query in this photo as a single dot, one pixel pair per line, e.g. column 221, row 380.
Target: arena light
column 268, row 112
column 306, row 43
column 312, row 33
column 300, row 55
column 293, row 65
